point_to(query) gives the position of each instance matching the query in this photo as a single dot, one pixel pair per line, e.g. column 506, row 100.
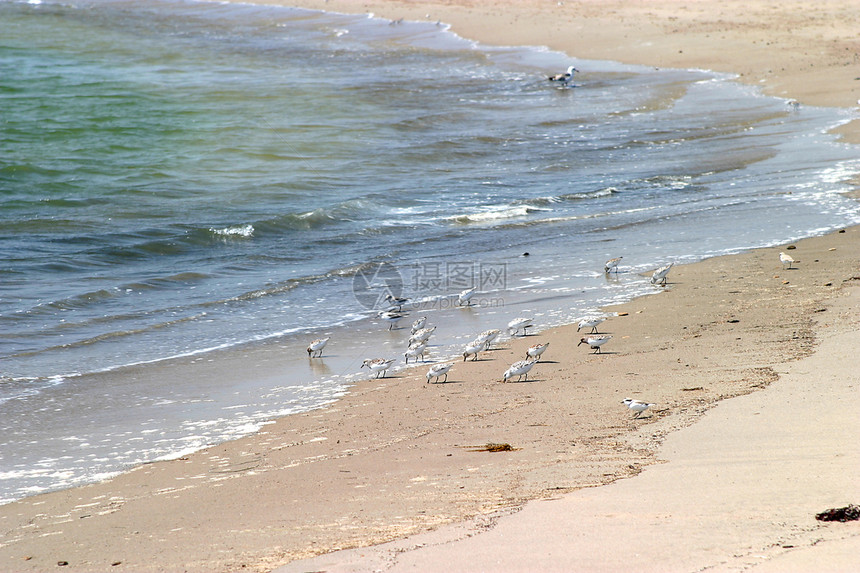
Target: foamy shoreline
column 390, row 459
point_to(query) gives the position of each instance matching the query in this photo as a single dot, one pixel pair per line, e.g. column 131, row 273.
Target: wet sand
column 399, row 457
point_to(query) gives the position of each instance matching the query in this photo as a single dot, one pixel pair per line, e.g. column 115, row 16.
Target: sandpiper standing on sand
column 595, row 341
column 637, row 406
column 437, row 371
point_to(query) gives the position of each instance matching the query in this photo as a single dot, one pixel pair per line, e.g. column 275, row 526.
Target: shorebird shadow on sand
column 529, row 381
column 592, row 351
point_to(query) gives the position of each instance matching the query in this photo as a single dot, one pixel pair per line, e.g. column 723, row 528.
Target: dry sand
column 395, row 457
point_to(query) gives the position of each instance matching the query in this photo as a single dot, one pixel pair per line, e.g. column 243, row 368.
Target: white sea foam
column 493, row 214
column 243, row 231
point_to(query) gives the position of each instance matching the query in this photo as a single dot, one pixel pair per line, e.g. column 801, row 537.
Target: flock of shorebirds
column 419, row 340
column 420, row 334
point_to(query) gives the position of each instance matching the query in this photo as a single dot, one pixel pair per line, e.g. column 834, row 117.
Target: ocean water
column 191, row 192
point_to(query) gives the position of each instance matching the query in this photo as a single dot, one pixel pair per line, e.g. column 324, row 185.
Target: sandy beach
column 747, row 363
column 738, row 490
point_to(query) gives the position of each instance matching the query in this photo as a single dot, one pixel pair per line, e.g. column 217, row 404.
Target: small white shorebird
column 596, row 341
column 637, row 406
column 317, row 346
column 396, row 300
column 535, row 350
column 473, row 348
column 465, row 297
column 415, row 351
column 786, row 259
column 421, row 335
column 378, row 365
column 590, row 322
column 489, row 336
column 660, row 274
column 519, row 369
column 612, row 264
column 391, row 318
column 518, row 324
column 565, row 78
column 419, row 324
column 437, row 371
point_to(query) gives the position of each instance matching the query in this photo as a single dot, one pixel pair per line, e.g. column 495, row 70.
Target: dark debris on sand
column 843, row 514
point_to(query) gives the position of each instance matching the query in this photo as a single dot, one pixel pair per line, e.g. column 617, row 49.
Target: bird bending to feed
column 660, row 274
column 612, row 264
column 786, row 259
column 489, row 336
column 535, row 350
column 565, row 78
column 391, row 318
column 438, row 370
column 595, row 342
column 637, row 406
column 378, row 365
column 421, row 335
column 473, row 348
column 419, row 324
column 590, row 322
column 396, row 300
column 415, row 351
column 519, row 369
column 317, row 346
column 465, row 297
column 518, row 324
